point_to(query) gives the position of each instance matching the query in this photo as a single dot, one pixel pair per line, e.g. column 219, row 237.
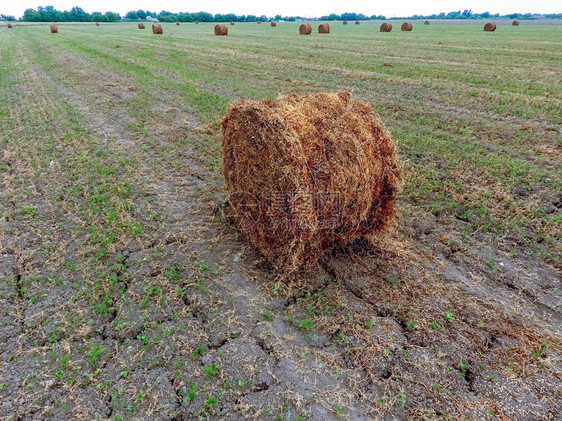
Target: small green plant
column 435, row 325
column 210, row 370
column 267, row 316
column 94, row 354
column 211, row 402
column 338, row 410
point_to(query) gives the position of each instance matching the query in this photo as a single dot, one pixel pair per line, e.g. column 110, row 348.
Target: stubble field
column 126, row 292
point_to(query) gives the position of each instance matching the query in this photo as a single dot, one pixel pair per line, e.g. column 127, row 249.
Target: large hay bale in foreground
column 515, row 23
column 157, row 29
column 406, row 26
column 305, row 29
column 221, row 29
column 324, row 28
column 386, row 27
column 141, row 25
column 54, row 28
column 274, row 24
column 308, row 173
column 426, row 22
column 490, row 27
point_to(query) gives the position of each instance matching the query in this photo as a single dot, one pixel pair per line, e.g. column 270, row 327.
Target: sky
column 310, row 8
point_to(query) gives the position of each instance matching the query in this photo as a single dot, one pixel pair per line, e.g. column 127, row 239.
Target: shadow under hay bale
column 308, row 173
column 141, row 25
column 386, row 27
column 305, row 29
column 157, row 29
column 221, row 29
column 274, row 24
column 54, row 28
column 406, row 26
column 490, row 27
column 324, row 28
column 515, row 23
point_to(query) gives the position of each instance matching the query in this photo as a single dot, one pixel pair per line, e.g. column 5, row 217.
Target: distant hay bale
column 386, row 27
column 357, row 22
column 308, row 173
column 177, row 23
column 97, row 24
column 232, row 22
column 9, row 26
column 426, row 22
column 515, row 23
column 324, row 28
column 141, row 25
column 157, row 29
column 406, row 26
column 274, row 24
column 196, row 23
column 490, row 27
column 54, row 28
column 344, row 22
column 221, row 29
column 259, row 21
column 305, row 29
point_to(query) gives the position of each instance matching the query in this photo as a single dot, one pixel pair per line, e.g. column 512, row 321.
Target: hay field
column 127, row 293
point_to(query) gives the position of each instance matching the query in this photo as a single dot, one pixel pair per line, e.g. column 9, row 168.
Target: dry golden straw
column 308, row 173
column 221, row 29
column 54, row 28
column 157, row 29
column 324, row 28
column 305, row 29
column 386, row 27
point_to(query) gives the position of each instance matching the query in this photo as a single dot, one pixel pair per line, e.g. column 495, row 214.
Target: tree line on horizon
column 77, row 14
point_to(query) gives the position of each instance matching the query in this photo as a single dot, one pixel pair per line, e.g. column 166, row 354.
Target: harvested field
column 128, row 292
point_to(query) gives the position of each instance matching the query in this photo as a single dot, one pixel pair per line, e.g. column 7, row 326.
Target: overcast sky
column 310, row 8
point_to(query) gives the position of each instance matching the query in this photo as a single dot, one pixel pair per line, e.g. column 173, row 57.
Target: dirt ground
column 185, row 320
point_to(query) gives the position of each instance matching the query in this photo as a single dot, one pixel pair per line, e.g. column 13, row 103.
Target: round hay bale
column 232, row 23
column 259, row 21
column 9, row 26
column 196, row 23
column 490, row 27
column 54, row 28
column 141, row 25
column 308, row 173
column 344, row 22
column 274, row 24
column 157, row 29
column 515, row 23
column 97, row 24
column 426, row 22
column 406, row 26
column 357, row 22
column 221, row 29
column 324, row 28
column 386, row 27
column 177, row 23
column 305, row 29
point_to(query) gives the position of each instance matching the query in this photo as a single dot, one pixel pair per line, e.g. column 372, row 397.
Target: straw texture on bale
column 177, row 23
column 141, row 25
column 406, row 26
column 54, row 28
column 490, row 27
column 157, row 29
column 221, row 29
column 324, row 28
column 232, row 22
column 274, row 24
column 308, row 173
column 305, row 29
column 357, row 22
column 97, row 24
column 9, row 25
column 426, row 22
column 515, row 23
column 386, row 27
